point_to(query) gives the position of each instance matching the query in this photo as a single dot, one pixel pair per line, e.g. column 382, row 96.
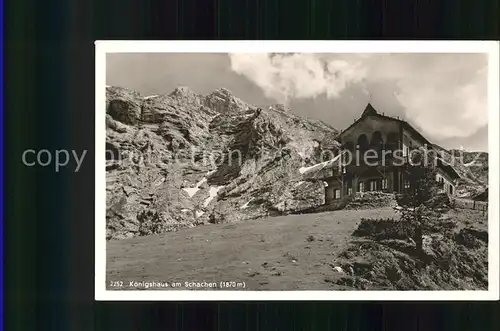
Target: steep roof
column 483, row 196
column 370, row 111
column 447, row 168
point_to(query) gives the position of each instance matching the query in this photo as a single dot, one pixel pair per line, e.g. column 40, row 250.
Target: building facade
column 378, row 147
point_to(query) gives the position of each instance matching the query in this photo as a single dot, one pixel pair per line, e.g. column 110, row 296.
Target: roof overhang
column 448, row 169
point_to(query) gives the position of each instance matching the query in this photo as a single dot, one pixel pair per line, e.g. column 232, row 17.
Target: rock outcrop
column 472, row 168
column 184, row 159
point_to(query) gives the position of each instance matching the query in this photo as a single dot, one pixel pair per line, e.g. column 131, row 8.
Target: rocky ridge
column 184, row 159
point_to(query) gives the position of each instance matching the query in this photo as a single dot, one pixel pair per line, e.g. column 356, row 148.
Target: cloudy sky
column 442, row 95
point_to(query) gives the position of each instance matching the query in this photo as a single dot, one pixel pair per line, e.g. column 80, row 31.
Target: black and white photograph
column 297, row 170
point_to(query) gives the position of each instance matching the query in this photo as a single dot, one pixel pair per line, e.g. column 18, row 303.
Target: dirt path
column 295, row 252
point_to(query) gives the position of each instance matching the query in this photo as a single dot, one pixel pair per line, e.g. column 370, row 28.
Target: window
column 361, row 187
column 373, row 185
column 336, row 194
column 440, row 182
column 406, row 184
column 349, row 190
column 384, row 184
column 451, row 189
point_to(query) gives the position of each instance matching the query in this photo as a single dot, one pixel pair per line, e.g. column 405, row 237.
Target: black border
column 49, row 102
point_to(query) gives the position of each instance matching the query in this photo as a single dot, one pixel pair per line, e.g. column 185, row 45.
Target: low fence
column 470, row 204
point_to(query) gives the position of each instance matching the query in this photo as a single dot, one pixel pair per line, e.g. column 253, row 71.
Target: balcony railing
column 379, row 159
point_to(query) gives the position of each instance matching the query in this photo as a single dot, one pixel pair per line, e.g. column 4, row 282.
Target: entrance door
column 329, row 194
column 395, row 181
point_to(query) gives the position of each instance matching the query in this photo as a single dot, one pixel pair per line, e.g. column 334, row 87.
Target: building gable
column 369, row 123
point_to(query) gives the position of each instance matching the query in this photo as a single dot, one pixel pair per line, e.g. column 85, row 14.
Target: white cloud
column 296, row 76
column 444, row 94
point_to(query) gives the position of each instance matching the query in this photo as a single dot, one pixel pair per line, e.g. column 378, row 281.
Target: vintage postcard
column 297, row 170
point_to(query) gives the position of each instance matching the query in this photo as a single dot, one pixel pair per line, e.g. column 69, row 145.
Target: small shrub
column 381, row 229
column 216, row 218
column 439, row 201
column 471, row 238
column 151, row 222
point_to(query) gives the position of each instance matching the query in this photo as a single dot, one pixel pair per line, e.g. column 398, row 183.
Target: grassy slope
column 295, row 252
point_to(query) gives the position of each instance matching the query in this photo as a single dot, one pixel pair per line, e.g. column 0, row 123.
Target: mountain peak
column 222, row 92
column 222, row 100
column 182, row 90
column 280, row 107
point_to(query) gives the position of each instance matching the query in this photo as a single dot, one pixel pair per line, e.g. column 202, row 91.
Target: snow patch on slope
column 214, row 190
column 191, row 191
column 246, row 204
column 319, row 166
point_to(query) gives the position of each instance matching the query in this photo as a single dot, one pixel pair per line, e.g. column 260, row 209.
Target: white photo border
column 104, row 47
